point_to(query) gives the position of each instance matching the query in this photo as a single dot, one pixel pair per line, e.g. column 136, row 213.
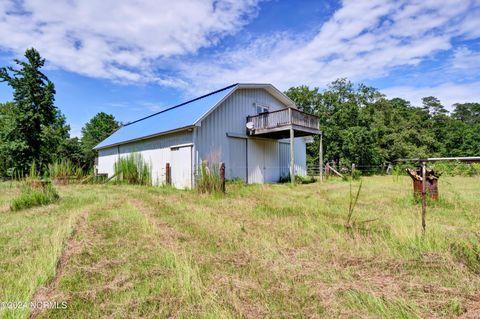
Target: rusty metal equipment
column 431, row 185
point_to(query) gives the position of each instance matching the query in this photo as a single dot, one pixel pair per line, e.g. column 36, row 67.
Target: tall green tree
column 37, row 126
column 468, row 113
column 433, row 106
column 360, row 125
column 97, row 129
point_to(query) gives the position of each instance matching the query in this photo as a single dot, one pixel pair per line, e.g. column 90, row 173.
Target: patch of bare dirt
column 472, row 308
column 72, row 247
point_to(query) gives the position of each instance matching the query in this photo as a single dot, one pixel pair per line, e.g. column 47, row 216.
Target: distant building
column 246, row 126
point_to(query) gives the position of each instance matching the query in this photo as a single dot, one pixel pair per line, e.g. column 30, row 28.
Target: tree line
column 360, row 125
column 33, row 131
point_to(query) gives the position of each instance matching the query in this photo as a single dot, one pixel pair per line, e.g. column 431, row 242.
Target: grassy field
column 259, row 251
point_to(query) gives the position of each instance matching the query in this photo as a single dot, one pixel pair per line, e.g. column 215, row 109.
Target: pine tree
column 35, row 115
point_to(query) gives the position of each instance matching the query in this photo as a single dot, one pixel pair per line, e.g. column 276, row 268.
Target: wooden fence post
column 168, row 174
column 222, row 176
column 424, row 199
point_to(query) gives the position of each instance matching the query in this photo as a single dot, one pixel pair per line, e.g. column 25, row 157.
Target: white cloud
column 129, row 40
column 118, row 40
column 448, row 93
column 465, row 59
column 362, row 40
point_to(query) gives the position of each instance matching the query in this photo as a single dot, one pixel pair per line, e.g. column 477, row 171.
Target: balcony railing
column 284, row 118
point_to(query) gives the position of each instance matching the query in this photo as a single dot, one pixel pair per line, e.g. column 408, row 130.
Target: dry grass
column 259, row 251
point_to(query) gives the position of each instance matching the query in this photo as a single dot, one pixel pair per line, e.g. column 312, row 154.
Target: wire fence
column 444, row 168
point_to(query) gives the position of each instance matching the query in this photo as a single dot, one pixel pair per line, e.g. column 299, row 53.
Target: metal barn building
column 249, row 127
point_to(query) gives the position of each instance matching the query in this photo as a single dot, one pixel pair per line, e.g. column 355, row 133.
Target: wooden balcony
column 277, row 124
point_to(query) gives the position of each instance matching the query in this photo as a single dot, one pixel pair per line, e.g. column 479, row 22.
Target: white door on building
column 271, row 166
column 181, row 166
column 263, row 161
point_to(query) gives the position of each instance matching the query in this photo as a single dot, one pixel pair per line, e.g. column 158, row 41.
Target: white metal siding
column 263, row 161
column 155, row 151
column 237, row 159
column 212, row 143
column 300, row 157
column 106, row 160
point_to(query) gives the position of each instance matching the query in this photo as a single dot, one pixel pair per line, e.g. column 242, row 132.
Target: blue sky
column 131, row 58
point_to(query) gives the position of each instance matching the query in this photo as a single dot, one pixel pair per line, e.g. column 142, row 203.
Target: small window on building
column 261, row 108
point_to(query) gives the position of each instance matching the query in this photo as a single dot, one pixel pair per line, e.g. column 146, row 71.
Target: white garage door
column 181, row 166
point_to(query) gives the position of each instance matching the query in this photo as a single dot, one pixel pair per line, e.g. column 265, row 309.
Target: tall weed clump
column 208, row 178
column 133, row 169
column 61, row 171
column 32, row 196
column 34, row 191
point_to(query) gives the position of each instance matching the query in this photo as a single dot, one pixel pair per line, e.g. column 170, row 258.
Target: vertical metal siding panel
column 284, row 159
column 300, row 156
column 106, row 160
column 212, row 142
column 272, row 165
column 255, row 161
column 155, row 152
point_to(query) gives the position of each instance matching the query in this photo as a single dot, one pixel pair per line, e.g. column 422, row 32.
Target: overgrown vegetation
column 259, row 251
column 34, row 194
column 64, row 170
column 208, row 178
column 353, row 199
column 133, row 169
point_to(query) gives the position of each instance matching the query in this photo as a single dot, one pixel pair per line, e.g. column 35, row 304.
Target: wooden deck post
column 168, row 174
column 320, row 157
column 292, row 149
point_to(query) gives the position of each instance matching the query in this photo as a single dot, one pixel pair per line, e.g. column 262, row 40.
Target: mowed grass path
column 259, row 251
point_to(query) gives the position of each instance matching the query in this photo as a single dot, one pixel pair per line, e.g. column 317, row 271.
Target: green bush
column 445, row 168
column 133, row 170
column 34, row 194
column 455, row 168
column 208, row 178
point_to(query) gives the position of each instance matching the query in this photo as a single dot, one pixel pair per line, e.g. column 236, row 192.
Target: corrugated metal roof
column 174, row 118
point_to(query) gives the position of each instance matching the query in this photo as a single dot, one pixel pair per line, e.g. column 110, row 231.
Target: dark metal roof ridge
column 181, row 104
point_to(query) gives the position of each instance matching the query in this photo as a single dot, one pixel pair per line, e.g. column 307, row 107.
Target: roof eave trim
column 279, row 95
column 145, row 137
column 214, row 107
column 270, row 87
